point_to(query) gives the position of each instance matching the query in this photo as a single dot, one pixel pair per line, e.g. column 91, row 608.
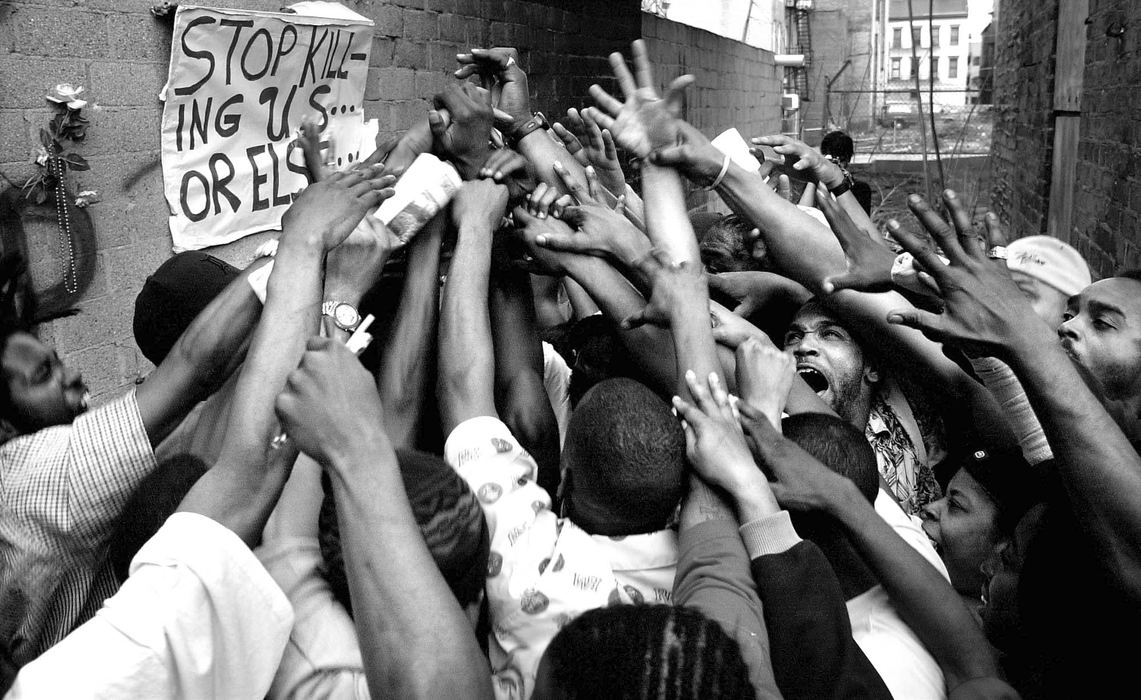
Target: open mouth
column 813, row 378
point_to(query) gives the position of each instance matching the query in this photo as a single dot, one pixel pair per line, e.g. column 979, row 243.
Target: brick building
column 1066, row 157
column 119, row 51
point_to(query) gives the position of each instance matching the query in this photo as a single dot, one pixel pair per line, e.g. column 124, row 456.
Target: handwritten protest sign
column 239, row 87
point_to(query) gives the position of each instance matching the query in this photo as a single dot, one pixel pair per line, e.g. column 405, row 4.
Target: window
column 954, row 35
column 914, row 69
column 916, row 35
column 935, row 31
column 897, row 38
column 974, row 60
column 895, row 75
column 953, row 67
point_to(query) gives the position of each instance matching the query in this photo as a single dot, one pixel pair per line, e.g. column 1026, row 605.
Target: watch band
column 536, row 122
column 840, row 189
column 329, row 308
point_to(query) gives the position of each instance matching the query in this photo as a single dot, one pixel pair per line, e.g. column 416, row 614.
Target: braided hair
column 646, row 651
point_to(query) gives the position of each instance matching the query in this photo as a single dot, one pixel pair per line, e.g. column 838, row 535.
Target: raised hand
column 983, row 310
column 503, row 76
column 541, row 260
column 803, row 158
column 869, row 263
column 714, row 441
column 764, row 376
column 329, row 404
column 675, row 288
column 692, row 154
column 645, row 121
column 600, row 231
column 503, row 163
column 462, row 135
column 332, row 208
column 801, row 482
column 595, row 148
column 480, row 203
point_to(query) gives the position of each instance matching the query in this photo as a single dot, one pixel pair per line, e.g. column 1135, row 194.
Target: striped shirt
column 62, row 490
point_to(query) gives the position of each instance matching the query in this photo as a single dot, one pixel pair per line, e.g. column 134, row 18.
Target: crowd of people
column 601, row 447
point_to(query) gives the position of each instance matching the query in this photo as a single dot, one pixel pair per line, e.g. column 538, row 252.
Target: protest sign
column 240, row 85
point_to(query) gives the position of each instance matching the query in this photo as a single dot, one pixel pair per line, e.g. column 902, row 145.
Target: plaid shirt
column 62, row 490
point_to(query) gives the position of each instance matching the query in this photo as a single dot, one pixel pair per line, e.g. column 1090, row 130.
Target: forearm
column 693, row 343
column 467, row 365
column 541, row 151
column 203, row 357
column 1098, row 467
column 650, row 347
column 805, row 250
column 394, row 581
column 241, row 490
column 520, row 397
column 581, row 303
column 667, row 221
column 860, row 218
column 407, row 360
column 923, row 598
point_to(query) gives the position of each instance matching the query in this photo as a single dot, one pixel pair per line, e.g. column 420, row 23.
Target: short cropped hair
column 722, row 246
column 449, row 517
column 155, row 499
column 646, row 651
column 838, row 445
column 625, row 453
column 838, row 145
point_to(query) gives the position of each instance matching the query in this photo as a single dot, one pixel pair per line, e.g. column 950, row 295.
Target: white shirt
column 544, row 571
column 906, row 667
column 198, row 618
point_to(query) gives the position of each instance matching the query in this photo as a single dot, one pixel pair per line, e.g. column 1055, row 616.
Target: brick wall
column 1106, row 226
column 1023, row 133
column 1107, row 205
column 737, row 85
column 119, row 51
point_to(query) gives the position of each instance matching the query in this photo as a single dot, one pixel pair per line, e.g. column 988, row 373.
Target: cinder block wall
column 120, row 52
column 737, row 84
column 1107, row 203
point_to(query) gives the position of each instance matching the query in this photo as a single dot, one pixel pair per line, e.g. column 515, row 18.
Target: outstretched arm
column 242, row 488
column 520, row 395
column 408, row 357
column 984, row 311
column 332, row 410
column 466, row 381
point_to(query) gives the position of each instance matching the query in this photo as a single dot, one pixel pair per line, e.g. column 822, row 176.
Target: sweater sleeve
column 810, row 638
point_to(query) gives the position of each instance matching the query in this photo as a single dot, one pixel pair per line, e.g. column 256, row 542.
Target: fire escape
column 798, row 13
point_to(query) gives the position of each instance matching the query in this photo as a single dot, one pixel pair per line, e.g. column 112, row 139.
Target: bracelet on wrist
column 720, row 176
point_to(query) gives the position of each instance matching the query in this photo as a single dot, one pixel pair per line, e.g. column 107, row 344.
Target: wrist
column 753, row 498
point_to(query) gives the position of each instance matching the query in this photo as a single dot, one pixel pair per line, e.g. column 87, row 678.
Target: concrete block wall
column 737, row 84
column 1107, row 205
column 1023, row 135
column 120, row 53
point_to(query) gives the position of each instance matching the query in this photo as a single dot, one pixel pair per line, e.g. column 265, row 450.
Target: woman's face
column 963, row 525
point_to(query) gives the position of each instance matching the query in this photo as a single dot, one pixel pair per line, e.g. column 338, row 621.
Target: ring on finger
column 997, row 252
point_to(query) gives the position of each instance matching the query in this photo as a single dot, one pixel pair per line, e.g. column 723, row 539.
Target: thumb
column 671, row 156
column 930, row 324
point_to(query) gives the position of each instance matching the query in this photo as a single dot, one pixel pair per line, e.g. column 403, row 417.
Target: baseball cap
column 1051, row 261
column 173, row 296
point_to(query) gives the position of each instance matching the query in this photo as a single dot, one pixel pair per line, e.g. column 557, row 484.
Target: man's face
column 43, row 391
column 1049, row 304
column 1101, row 331
column 963, row 526
column 829, row 359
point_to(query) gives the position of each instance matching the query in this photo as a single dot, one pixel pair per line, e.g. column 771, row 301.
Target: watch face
column 346, row 315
